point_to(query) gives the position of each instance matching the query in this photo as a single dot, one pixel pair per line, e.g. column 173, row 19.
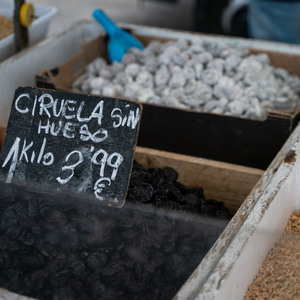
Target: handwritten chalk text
column 76, row 142
column 46, row 104
column 14, row 155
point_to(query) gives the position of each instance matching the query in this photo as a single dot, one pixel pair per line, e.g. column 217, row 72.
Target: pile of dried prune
column 59, row 246
column 159, row 187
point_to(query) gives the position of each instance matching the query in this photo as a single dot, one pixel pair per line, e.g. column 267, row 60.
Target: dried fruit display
column 198, row 75
column 54, row 246
column 6, row 27
column 278, row 276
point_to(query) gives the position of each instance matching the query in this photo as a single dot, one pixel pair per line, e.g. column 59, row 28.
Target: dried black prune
column 32, row 207
column 27, row 238
column 129, row 234
column 56, row 264
column 98, row 288
column 86, row 224
column 77, row 266
column 29, row 262
column 192, row 199
column 58, row 218
column 15, row 277
column 4, row 242
column 9, row 219
column 57, row 246
column 96, row 260
column 141, row 193
column 59, row 279
column 35, row 280
column 52, row 238
column 46, row 250
column 170, row 174
column 65, row 292
column 8, row 260
column 154, row 262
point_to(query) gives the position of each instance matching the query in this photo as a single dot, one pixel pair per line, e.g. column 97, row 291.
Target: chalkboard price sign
column 72, row 142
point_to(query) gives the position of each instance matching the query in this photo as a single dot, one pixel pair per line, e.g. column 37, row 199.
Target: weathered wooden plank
column 251, row 233
column 221, row 181
column 2, row 133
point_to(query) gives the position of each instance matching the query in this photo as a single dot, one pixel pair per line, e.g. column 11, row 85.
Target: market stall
column 199, row 184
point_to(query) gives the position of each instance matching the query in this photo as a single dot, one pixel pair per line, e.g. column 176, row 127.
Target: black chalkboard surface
column 72, row 142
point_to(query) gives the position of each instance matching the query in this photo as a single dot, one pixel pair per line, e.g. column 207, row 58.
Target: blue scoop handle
column 119, row 40
column 109, row 26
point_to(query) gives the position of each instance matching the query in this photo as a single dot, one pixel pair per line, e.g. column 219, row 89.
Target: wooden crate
column 252, row 143
column 234, row 140
column 257, row 226
column 224, row 182
column 2, row 133
column 221, row 181
column 228, row 183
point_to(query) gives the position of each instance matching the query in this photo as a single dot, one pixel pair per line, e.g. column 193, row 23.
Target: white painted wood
column 37, row 30
column 244, row 42
column 21, row 69
column 235, row 263
column 6, row 295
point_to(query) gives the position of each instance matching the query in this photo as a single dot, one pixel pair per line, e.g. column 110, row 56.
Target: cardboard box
column 235, row 140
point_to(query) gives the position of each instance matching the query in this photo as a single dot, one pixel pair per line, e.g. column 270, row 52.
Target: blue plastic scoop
column 119, row 41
